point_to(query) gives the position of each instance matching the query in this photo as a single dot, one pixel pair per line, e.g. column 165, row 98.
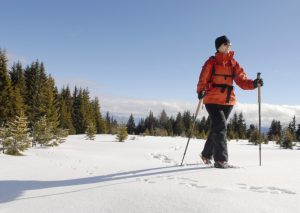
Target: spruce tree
column 122, row 133
column 254, row 135
column 292, row 128
column 179, row 125
column 86, row 109
column 17, row 78
column 298, row 133
column 77, row 112
column 108, row 123
column 275, row 130
column 36, row 96
column 131, row 125
column 140, row 129
column 18, row 131
column 163, row 119
column 91, row 131
column 151, row 123
column 65, row 110
column 43, row 132
column 242, row 127
column 51, row 103
column 187, row 122
column 18, row 87
column 6, row 92
column 97, row 117
column 287, row 139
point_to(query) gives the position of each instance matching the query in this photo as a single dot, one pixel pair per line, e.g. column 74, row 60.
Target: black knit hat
column 221, row 40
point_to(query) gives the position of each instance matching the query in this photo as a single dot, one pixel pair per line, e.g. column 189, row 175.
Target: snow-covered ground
column 143, row 175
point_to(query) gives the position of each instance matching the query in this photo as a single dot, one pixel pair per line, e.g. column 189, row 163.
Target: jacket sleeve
column 241, row 78
column 204, row 76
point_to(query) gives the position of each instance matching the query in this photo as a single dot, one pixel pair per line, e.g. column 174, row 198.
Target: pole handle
column 258, row 75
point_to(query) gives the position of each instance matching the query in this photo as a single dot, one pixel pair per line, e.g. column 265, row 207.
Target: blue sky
column 154, row 49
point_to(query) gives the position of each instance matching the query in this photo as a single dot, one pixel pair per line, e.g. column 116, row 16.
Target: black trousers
column 216, row 144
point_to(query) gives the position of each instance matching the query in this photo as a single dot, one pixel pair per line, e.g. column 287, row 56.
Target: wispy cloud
column 123, row 107
column 141, row 108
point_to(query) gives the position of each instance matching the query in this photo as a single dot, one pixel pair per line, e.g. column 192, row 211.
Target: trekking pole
column 191, row 132
column 259, row 117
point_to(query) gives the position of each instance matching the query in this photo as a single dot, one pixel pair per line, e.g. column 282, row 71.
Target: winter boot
column 205, row 160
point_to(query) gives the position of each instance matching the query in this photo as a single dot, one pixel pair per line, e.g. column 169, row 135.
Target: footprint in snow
column 271, row 190
column 145, row 180
column 175, row 148
column 162, row 157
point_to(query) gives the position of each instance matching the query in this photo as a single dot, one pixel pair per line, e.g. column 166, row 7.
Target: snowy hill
column 143, row 175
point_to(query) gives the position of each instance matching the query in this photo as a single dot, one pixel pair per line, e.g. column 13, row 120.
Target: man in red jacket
column 215, row 86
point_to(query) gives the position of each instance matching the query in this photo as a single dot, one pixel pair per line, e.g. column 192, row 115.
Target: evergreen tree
column 65, row 110
column 18, row 87
column 292, row 128
column 43, row 132
column 275, row 130
column 287, row 139
column 77, row 112
column 17, row 101
column 6, row 92
column 108, row 123
column 18, row 79
column 233, row 127
column 201, row 125
column 114, row 126
column 151, row 124
column 251, row 129
column 36, row 91
column 86, row 109
column 52, row 110
column 131, row 125
column 179, row 125
column 19, row 135
column 254, row 135
column 97, row 117
column 91, row 131
column 122, row 133
column 242, row 127
column 141, row 127
column 187, row 122
column 298, row 133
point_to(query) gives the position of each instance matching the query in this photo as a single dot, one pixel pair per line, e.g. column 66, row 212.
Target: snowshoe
column 223, row 165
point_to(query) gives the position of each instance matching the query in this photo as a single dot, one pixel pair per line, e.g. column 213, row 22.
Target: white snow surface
column 144, row 175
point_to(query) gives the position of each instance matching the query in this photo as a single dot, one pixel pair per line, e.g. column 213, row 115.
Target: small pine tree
column 42, row 132
column 254, row 136
column 19, row 136
column 287, row 139
column 122, row 133
column 91, row 132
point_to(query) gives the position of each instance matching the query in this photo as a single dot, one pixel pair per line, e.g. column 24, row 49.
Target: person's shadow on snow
column 11, row 190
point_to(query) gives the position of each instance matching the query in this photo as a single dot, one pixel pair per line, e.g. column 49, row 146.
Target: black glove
column 258, row 81
column 201, row 94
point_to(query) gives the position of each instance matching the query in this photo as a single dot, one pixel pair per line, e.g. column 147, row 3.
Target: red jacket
column 218, row 84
